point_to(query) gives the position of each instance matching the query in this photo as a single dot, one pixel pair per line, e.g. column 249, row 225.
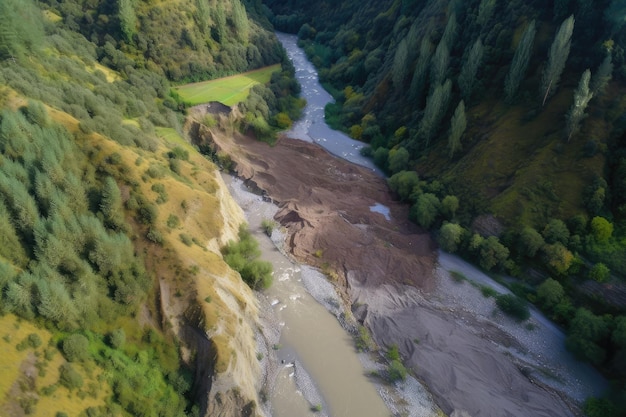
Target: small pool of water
column 382, row 209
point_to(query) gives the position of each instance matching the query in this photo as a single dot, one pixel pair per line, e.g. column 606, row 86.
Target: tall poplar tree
column 581, row 99
column 128, row 19
column 421, row 71
column 449, row 34
column 559, row 51
column 485, row 11
column 520, row 61
column 240, row 21
column 458, row 124
column 436, row 107
column 439, row 65
column 400, row 65
column 467, row 77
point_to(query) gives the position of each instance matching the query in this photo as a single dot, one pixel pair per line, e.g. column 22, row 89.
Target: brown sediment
column 325, row 204
column 386, row 271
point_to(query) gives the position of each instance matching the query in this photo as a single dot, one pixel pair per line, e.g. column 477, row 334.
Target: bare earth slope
column 386, row 269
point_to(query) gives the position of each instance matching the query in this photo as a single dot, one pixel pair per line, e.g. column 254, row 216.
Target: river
column 311, row 127
column 321, row 367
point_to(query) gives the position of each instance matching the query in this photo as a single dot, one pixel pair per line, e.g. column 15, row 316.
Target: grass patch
column 487, row 291
column 458, row 276
column 171, row 136
column 513, row 306
column 228, row 90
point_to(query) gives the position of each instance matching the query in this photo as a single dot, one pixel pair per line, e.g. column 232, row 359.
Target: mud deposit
column 386, row 271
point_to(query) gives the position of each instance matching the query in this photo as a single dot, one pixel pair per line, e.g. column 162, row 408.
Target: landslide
column 325, row 204
column 386, row 270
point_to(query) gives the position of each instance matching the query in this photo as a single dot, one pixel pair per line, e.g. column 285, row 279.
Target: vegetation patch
column 513, row 306
column 228, row 90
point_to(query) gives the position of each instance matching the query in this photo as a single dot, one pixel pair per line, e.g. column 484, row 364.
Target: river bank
column 386, row 272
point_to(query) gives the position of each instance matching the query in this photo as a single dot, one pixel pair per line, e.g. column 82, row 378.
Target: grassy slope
column 44, row 372
column 227, row 90
column 186, row 275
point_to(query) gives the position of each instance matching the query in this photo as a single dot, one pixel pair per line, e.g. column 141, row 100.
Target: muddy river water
column 320, row 372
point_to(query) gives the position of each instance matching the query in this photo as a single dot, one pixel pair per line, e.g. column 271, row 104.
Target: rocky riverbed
column 386, row 272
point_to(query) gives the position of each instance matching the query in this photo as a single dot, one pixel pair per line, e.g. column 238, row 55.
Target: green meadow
column 228, row 90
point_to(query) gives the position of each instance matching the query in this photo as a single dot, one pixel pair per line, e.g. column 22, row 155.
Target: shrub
column 513, row 306
column 148, row 212
column 393, row 354
column 117, row 338
column 155, row 171
column 173, row 221
column 76, row 348
column 155, row 236
column 69, row 377
column 178, row 153
column 268, row 226
column 396, row 371
column 175, row 166
column 599, row 407
column 186, row 239
column 601, row 228
column 34, row 340
column 599, row 273
column 550, row 293
column 364, row 341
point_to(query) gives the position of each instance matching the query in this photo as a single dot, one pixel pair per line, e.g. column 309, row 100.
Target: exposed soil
column 386, row 270
column 325, row 204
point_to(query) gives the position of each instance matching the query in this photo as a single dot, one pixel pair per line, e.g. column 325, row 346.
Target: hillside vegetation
column 115, row 298
column 502, row 125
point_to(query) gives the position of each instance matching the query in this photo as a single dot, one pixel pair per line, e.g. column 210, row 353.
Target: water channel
column 319, row 365
column 320, row 373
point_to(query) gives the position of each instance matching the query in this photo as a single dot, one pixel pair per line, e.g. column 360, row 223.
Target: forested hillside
column 114, row 296
column 502, row 124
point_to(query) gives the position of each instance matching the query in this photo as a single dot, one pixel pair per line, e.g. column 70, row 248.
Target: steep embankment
column 204, row 302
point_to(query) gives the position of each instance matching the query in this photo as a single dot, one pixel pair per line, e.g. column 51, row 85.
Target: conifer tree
column 449, row 35
column 21, row 27
column 520, row 61
column 128, row 19
column 220, row 22
column 577, row 112
column 203, row 15
column 436, row 107
column 240, row 21
column 485, row 11
column 468, row 73
column 559, row 51
column 419, row 75
column 400, row 65
column 602, row 76
column 457, row 128
column 439, row 65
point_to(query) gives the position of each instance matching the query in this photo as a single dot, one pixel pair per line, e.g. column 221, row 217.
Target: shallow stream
column 318, row 363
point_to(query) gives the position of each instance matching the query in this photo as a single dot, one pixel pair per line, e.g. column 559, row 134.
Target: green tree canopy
column 601, row 228
column 403, row 183
column 426, row 209
column 550, row 293
column 530, row 241
column 449, row 237
column 587, row 335
column 556, row 232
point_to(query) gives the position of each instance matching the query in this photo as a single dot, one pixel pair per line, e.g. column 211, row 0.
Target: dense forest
column 95, row 202
column 503, row 125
